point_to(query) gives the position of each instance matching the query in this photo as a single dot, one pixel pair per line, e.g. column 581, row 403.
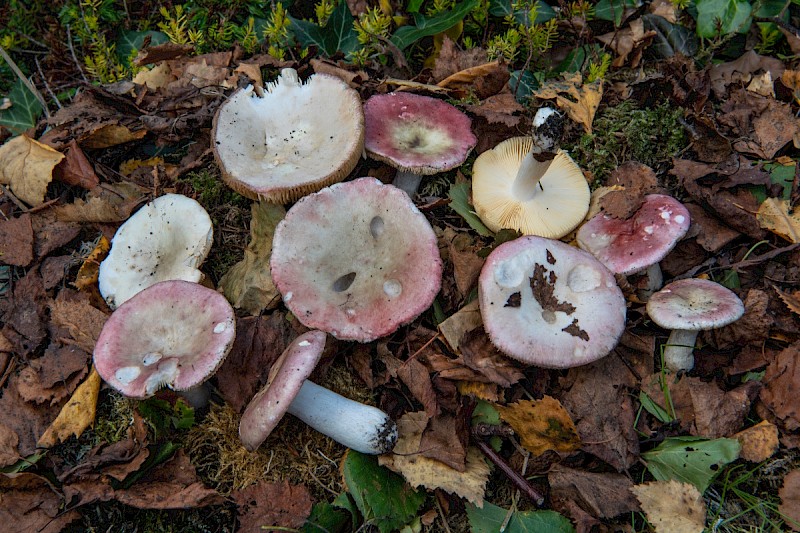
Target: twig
column 14, row 199
column 512, row 474
column 46, row 85
column 31, row 87
column 75, row 57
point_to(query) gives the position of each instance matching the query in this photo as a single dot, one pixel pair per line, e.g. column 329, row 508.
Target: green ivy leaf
column 133, row 40
column 424, row 26
column 337, row 35
column 491, row 518
column 503, row 8
column 722, row 16
column 25, row 109
column 612, row 10
column 326, row 517
column 383, row 497
column 670, row 38
column 459, row 201
column 692, row 460
column 522, row 84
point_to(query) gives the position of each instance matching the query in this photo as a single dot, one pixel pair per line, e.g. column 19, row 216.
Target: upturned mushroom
column 548, row 304
column 356, row 259
column 418, row 135
column 686, row 307
column 168, row 238
column 360, row 427
column 512, row 189
column 172, row 334
column 293, row 139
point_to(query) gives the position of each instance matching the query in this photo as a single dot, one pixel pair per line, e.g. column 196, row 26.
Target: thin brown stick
column 521, row 483
column 31, row 87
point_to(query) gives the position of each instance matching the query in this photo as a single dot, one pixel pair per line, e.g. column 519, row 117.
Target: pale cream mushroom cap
column 293, row 140
column 550, row 208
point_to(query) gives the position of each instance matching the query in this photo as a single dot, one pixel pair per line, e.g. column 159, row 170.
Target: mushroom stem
column 678, row 352
column 528, row 176
column 655, row 280
column 407, row 181
column 360, row 427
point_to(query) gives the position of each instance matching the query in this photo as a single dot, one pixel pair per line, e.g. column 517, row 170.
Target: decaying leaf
column 272, row 504
column 759, row 442
column 601, row 494
column 87, row 274
column 781, row 383
column 578, row 99
column 26, row 166
column 777, row 216
column 76, row 415
column 456, row 325
column 790, row 499
column 626, row 41
column 109, row 203
column 542, row 425
column 111, row 135
column 16, row 241
column 791, row 299
column 672, row 506
column 419, row 470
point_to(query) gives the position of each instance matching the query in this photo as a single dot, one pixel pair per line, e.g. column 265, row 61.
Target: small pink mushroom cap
column 628, row 246
column 416, row 133
column 356, row 259
column 694, row 304
column 286, row 377
column 173, row 333
column 548, row 304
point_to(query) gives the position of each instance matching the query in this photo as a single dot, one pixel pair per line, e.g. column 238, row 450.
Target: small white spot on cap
column 151, row 358
column 287, row 296
column 219, row 328
column 648, row 230
column 584, row 278
column 666, row 214
column 127, row 374
column 679, row 219
column 392, row 288
column 304, row 343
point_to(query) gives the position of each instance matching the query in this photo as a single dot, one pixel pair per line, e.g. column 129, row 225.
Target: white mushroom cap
column 169, row 238
column 548, row 304
column 293, row 140
column 512, row 190
column 356, row 259
column 174, row 334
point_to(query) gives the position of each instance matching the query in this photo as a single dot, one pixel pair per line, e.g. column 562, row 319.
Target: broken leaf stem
column 521, row 483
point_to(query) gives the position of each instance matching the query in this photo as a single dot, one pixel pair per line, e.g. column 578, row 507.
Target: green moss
column 114, row 417
column 624, row 133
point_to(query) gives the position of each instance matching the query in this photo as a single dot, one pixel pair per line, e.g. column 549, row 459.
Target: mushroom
column 548, row 304
column 363, row 428
column 633, row 245
column 511, row 189
column 174, row 333
column 686, row 307
column 418, row 135
column 168, row 238
column 356, row 259
column 291, row 139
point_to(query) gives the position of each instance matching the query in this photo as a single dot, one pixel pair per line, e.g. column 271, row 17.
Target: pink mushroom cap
column 174, row 333
column 416, row 133
column 694, row 304
column 286, row 377
column 548, row 304
column 628, row 246
column 356, row 259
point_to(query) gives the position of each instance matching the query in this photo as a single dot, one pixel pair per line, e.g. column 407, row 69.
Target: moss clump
column 625, row 133
column 114, row 417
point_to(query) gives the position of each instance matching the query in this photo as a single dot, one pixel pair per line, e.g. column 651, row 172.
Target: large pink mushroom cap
column 629, row 246
column 416, row 133
column 548, row 304
column 356, row 259
column 174, row 334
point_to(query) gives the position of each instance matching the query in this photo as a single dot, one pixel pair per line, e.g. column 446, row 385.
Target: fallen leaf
column 76, row 170
column 578, row 99
column 500, row 108
column 416, row 377
column 26, row 166
column 781, row 383
column 109, row 203
column 445, row 439
column 155, row 78
column 72, row 311
column 480, row 355
column 752, row 328
column 111, row 135
column 89, row 270
column 50, row 234
column 758, row 442
column 601, row 494
column 23, row 323
column 542, row 425
column 707, row 229
column 671, row 506
column 721, row 75
column 76, row 415
column 627, row 40
column 791, row 299
column 248, row 284
column 55, row 375
column 419, row 470
column 762, row 85
column 789, row 494
column 456, row 325
column 16, row 241
column 481, row 80
column 29, row 421
column 29, row 502
column 777, row 216
column 272, row 504
column 8, row 446
column 452, row 59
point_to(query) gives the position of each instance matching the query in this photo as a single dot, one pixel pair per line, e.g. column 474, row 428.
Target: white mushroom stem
column 679, row 350
column 655, row 280
column 526, row 184
column 360, row 427
column 407, row 181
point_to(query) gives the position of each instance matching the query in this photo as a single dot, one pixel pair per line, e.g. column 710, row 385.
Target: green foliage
column 459, row 202
column 337, row 35
column 654, row 409
column 371, row 28
column 25, row 109
column 425, row 26
column 491, row 518
column 326, row 518
column 597, row 70
column 715, row 17
column 613, row 10
column 163, row 416
column 277, row 32
column 670, row 38
column 692, row 460
column 528, row 31
column 91, row 22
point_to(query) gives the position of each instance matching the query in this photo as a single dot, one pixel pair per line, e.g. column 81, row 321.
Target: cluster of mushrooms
column 357, row 259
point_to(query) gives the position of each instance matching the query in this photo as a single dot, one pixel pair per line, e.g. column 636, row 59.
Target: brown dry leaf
column 16, row 241
column 419, row 470
column 76, row 170
column 456, row 325
column 272, row 504
column 26, row 419
column 76, row 415
column 479, row 354
column 483, row 391
column 781, row 383
column 583, row 101
column 500, row 108
column 26, row 166
column 790, row 499
column 602, row 495
column 87, row 274
column 73, row 311
column 753, row 327
column 416, row 377
column 777, row 216
column 248, row 284
column 111, row 135
column 708, row 231
column 791, row 299
column 672, row 506
column 155, row 78
column 762, row 85
column 542, row 425
column 466, row 263
column 626, row 40
column 451, row 59
column 483, row 80
column 55, row 375
column 741, row 70
column 445, row 440
column 352, row 78
column 109, row 203
column 759, row 442
column 252, row 71
column 23, row 322
column 167, row 495
column 29, row 503
column 8, row 446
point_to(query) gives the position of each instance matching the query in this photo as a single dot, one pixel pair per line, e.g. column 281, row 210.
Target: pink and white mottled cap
column 548, row 304
column 286, row 377
column 628, row 246
column 356, row 259
column 174, row 334
column 416, row 133
column 694, row 304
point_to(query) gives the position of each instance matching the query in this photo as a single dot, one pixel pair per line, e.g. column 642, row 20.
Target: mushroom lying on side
column 363, row 428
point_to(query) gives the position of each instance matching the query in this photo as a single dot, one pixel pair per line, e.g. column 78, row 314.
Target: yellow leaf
column 483, row 391
column 27, row 166
column 156, row 77
column 579, row 100
column 76, row 415
column 419, row 470
column 111, row 135
column 672, row 506
column 774, row 215
column 87, row 274
column 126, row 168
column 759, row 442
column 542, row 425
